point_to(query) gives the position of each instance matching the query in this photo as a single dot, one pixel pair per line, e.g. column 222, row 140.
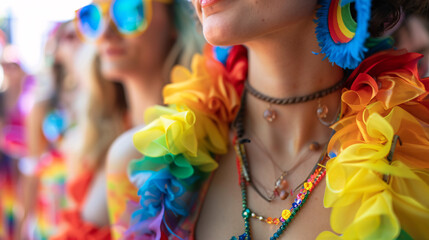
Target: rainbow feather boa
column 385, row 98
column 181, row 140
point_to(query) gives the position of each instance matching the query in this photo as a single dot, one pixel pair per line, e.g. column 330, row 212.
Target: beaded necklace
column 282, row 188
column 287, row 215
column 270, row 115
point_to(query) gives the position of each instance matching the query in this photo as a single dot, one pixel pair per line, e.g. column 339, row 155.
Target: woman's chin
column 218, row 41
column 112, row 73
column 221, row 36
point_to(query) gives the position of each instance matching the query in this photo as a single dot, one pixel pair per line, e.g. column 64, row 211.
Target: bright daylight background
column 27, row 23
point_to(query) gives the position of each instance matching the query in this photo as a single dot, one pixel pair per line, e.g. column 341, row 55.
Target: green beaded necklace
column 287, row 214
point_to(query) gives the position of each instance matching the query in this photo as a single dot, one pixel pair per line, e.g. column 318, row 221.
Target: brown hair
column 385, row 14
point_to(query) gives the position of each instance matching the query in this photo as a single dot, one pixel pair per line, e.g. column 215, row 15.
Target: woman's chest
column 221, row 213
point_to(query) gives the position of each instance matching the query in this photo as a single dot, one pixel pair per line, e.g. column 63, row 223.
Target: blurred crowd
column 58, row 124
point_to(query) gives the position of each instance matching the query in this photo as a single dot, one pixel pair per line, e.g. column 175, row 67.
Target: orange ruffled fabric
column 214, row 101
column 386, row 98
column 202, row 104
column 183, row 137
column 72, row 226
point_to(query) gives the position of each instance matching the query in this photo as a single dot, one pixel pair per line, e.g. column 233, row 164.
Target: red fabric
column 78, row 187
column 235, row 70
column 72, row 226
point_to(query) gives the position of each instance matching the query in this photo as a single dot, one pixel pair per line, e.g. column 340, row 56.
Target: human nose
column 110, row 32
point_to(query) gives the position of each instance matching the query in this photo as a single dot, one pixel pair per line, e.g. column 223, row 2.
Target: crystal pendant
column 270, row 115
column 322, row 112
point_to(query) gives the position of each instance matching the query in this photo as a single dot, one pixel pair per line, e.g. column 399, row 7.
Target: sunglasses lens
column 129, row 15
column 90, row 23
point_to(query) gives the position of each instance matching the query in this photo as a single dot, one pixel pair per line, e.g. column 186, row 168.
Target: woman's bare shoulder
column 122, row 151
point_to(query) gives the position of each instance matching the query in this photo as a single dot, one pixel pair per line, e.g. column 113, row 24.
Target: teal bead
column 246, row 213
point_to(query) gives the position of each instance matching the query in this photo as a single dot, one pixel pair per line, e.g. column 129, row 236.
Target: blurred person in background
column 54, row 114
column 171, row 38
column 16, row 87
column 105, row 116
column 15, row 90
column 138, row 43
column 413, row 35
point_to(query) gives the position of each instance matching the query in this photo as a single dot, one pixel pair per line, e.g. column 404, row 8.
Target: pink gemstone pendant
column 281, row 187
column 270, row 115
column 283, row 194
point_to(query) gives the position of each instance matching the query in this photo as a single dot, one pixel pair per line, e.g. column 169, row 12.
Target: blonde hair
column 105, row 117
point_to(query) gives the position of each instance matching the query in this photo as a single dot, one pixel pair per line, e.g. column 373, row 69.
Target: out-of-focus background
column 64, row 101
column 26, row 24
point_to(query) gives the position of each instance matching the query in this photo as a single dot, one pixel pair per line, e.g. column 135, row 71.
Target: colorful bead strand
column 305, row 190
column 287, row 214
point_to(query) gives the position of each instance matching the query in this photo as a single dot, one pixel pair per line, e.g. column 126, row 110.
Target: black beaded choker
column 295, row 99
column 270, row 114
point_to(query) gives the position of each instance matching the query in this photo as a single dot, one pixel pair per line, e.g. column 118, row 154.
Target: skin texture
column 223, row 22
column 414, row 36
column 136, row 62
column 280, row 39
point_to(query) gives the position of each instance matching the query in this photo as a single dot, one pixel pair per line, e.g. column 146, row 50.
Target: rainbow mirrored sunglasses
column 130, row 17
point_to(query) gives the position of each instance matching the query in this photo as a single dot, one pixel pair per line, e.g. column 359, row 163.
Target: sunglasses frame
column 107, row 8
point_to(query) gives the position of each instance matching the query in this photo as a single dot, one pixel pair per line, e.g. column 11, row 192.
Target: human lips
column 114, row 51
column 206, row 3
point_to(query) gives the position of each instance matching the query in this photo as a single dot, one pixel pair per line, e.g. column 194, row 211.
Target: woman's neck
column 143, row 93
column 283, row 65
